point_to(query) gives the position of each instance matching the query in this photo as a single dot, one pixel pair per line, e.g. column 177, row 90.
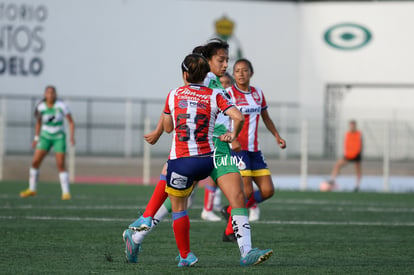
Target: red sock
column 181, row 227
column 229, row 228
column 157, row 199
column 250, row 202
column 209, row 193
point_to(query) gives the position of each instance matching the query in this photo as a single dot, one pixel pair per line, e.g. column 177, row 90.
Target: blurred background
column 319, row 63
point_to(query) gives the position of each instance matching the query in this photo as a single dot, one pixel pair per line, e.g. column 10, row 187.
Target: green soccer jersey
column 222, row 122
column 52, row 118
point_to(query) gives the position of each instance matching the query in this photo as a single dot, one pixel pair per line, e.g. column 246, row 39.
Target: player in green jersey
column 225, row 174
column 49, row 132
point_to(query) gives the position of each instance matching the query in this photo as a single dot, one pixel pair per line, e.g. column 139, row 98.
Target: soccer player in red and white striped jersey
column 252, row 103
column 194, row 109
column 190, row 112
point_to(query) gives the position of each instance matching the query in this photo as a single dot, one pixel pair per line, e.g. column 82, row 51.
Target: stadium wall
column 379, row 53
column 133, row 49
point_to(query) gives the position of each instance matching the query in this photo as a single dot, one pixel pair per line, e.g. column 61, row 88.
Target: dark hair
column 36, row 113
column 196, row 66
column 51, row 87
column 210, row 49
column 246, row 61
column 226, row 74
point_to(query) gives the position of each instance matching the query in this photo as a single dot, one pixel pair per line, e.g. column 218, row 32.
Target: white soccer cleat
column 254, row 214
column 209, row 216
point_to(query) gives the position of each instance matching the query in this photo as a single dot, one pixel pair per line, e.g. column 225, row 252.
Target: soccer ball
column 325, row 186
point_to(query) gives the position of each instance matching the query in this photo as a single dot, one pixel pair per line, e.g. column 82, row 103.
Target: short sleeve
column 65, row 109
column 167, row 105
column 264, row 103
column 224, row 101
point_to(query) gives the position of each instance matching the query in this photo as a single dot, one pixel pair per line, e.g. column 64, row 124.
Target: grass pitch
column 310, row 232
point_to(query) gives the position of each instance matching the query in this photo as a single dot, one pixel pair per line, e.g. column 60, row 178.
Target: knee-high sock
column 191, row 197
column 64, row 182
column 241, row 229
column 138, row 236
column 229, row 228
column 157, row 199
column 255, row 198
column 181, row 227
column 217, row 198
column 209, row 193
column 33, row 178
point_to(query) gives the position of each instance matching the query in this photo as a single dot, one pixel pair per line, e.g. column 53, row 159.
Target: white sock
column 64, row 182
column 191, row 197
column 138, row 237
column 241, row 229
column 33, row 178
column 217, row 198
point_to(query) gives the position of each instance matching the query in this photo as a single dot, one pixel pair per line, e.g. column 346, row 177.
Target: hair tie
column 184, row 66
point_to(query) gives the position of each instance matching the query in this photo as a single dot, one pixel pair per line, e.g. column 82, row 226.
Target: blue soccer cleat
column 131, row 249
column 256, row 256
column 187, row 262
column 141, row 224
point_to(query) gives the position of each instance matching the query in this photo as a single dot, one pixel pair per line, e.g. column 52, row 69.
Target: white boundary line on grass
column 281, row 207
column 96, row 219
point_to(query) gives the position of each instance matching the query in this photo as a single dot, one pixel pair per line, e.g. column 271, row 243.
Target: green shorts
column 57, row 141
column 224, row 163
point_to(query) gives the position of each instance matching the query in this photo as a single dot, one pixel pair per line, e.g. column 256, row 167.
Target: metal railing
column 115, row 126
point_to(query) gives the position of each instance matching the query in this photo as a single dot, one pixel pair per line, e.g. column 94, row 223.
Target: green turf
column 310, row 232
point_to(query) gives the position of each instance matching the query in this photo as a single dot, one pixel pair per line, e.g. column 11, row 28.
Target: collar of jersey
column 198, row 85
column 244, row 92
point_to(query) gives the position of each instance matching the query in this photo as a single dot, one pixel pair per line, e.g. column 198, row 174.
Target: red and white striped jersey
column 251, row 104
column 194, row 110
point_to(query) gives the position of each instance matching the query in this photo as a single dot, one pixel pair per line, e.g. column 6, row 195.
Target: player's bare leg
column 336, row 169
column 358, row 175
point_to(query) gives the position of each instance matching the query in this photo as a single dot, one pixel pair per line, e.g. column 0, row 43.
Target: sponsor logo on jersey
column 250, row 110
column 198, row 105
column 183, row 104
column 226, row 95
column 256, row 97
column 241, row 100
column 192, row 95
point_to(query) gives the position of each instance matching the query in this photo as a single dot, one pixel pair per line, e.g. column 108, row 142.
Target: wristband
column 36, row 138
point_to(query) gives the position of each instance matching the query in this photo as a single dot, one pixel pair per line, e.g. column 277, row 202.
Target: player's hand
column 236, row 146
column 152, row 137
column 34, row 143
column 72, row 141
column 281, row 142
column 227, row 137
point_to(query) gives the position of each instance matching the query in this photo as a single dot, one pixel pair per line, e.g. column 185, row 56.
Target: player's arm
column 238, row 121
column 167, row 122
column 71, row 128
column 272, row 128
column 236, row 146
column 37, row 131
column 167, row 119
column 153, row 137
